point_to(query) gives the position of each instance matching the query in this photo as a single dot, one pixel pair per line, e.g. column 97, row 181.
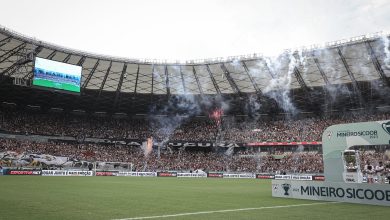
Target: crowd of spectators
column 178, row 159
column 231, row 129
column 181, row 159
column 373, row 157
column 234, row 130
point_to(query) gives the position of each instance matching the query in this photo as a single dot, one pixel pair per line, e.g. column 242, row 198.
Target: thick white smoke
column 302, row 62
column 147, row 147
column 254, row 106
column 166, row 118
column 386, row 50
column 279, row 87
column 336, row 88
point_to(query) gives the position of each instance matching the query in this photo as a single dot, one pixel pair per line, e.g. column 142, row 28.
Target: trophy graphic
column 286, row 187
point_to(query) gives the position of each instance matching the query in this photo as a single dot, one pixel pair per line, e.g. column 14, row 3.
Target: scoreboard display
column 57, row 75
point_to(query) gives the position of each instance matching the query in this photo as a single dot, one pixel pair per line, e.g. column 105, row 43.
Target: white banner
column 80, row 173
column 198, row 175
column 66, row 173
column 239, row 175
column 54, row 173
column 376, row 194
column 293, row 177
column 145, row 174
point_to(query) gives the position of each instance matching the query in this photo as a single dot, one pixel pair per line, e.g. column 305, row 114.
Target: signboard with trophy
column 343, row 169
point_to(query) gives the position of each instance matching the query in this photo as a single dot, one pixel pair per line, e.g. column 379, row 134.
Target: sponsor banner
column 293, row 177
column 214, row 175
column 239, row 175
column 265, row 176
column 376, row 180
column 22, row 172
column 202, row 144
column 167, row 174
column 106, row 173
column 144, row 174
column 54, row 173
column 375, row 194
column 282, row 177
column 80, row 173
column 128, row 142
column 202, row 175
column 136, row 142
column 319, row 178
column 66, row 173
column 254, row 144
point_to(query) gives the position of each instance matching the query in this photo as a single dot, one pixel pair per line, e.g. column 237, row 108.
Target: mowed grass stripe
column 36, row 197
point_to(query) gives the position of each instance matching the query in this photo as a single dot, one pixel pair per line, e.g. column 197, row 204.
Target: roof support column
column 51, row 55
column 213, row 79
column 324, row 77
column 90, row 74
column 105, row 78
column 376, row 64
column 258, row 91
column 230, row 79
column 351, row 76
column 182, row 81
column 19, row 63
column 12, row 52
column 118, row 89
column 197, row 80
column 136, row 80
column 300, row 80
column 81, row 61
column 5, row 41
column 167, row 81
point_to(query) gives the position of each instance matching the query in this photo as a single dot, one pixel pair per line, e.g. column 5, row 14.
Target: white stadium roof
column 347, row 61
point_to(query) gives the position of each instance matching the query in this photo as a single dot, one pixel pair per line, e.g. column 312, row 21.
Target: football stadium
column 303, row 134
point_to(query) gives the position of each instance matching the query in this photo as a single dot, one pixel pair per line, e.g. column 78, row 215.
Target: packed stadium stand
column 238, row 114
column 243, row 158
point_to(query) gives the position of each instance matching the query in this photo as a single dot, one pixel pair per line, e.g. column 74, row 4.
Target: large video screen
column 57, row 75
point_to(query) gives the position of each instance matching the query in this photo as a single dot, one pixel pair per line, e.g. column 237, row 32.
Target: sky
column 185, row 30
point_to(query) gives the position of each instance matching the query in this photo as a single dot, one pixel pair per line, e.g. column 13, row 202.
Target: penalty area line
column 226, row 210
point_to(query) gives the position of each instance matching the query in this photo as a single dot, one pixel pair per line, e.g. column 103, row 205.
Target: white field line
column 226, row 210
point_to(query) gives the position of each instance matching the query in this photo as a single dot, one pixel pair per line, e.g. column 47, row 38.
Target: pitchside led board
column 343, row 178
column 56, row 75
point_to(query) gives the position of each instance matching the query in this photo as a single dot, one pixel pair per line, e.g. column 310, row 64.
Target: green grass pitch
column 36, row 197
column 56, row 85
